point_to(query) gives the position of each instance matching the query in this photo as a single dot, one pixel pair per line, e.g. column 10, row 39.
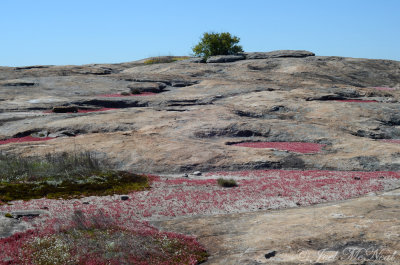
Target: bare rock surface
column 199, row 108
column 279, row 54
column 358, row 231
column 225, row 58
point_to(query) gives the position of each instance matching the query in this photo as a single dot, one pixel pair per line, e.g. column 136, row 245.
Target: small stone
column 196, row 173
column 28, row 213
column 124, row 197
column 155, row 87
column 270, row 254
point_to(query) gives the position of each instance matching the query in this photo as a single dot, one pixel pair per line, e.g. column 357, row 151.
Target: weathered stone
column 154, row 87
column 225, row 58
column 10, row 226
column 278, row 54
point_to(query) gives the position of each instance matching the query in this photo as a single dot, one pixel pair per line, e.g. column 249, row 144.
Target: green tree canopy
column 212, row 44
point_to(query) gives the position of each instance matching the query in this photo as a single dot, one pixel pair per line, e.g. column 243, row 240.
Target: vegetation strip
column 25, row 139
column 64, row 176
column 99, row 238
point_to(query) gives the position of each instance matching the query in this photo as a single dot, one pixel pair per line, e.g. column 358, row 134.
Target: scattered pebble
column 124, row 197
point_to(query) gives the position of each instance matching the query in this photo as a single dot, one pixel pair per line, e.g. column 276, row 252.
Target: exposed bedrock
column 349, row 105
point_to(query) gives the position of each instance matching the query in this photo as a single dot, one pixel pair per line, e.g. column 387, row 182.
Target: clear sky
column 60, row 32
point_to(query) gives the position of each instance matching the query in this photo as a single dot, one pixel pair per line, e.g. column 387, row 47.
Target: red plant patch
column 25, row 139
column 99, row 238
column 130, row 95
column 356, row 100
column 298, row 147
column 385, row 88
column 257, row 189
column 170, row 197
column 394, row 141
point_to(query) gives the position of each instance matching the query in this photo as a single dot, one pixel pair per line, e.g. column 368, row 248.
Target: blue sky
column 60, row 32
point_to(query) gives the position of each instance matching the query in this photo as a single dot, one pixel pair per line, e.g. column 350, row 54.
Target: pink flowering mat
column 257, row 189
column 24, row 139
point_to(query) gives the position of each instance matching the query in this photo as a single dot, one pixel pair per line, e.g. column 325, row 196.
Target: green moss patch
column 101, row 183
column 63, row 176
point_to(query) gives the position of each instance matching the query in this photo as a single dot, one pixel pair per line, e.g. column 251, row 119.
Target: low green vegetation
column 8, row 215
column 212, row 44
column 63, row 176
column 165, row 59
column 227, row 183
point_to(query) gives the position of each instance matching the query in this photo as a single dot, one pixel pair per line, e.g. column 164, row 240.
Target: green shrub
column 227, row 183
column 212, row 44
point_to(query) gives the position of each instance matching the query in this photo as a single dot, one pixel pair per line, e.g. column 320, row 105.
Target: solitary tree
column 217, row 44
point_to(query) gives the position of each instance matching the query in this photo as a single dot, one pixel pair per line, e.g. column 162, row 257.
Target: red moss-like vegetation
column 24, row 139
column 99, row 238
column 257, row 189
column 394, row 141
column 356, row 100
column 298, row 147
column 130, row 95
